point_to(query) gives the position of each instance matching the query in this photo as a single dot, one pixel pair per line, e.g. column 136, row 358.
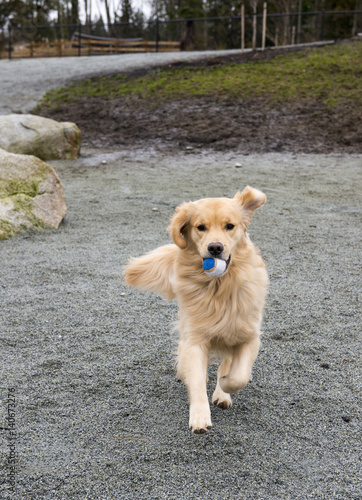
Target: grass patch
column 331, row 74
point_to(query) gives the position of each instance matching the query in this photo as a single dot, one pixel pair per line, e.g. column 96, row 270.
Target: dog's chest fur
column 227, row 308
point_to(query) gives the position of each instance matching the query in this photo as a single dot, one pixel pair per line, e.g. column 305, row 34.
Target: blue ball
column 208, row 264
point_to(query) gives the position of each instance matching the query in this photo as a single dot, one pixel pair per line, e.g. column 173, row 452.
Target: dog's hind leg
column 241, row 366
column 192, row 370
column 220, row 398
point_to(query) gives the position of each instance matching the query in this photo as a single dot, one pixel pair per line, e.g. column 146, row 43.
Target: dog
column 222, row 314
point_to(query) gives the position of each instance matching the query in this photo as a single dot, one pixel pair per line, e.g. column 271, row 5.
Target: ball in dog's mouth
column 215, row 267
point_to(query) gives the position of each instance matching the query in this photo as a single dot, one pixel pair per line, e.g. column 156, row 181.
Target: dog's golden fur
column 221, row 314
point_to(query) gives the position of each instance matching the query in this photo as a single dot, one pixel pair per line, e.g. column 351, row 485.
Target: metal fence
column 207, row 33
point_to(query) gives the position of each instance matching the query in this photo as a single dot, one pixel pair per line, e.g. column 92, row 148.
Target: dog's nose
column 215, row 249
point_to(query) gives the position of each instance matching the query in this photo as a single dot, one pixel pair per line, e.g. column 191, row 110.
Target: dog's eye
column 230, row 227
column 201, row 227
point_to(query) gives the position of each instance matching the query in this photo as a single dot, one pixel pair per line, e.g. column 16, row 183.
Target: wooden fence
column 96, row 44
column 91, row 45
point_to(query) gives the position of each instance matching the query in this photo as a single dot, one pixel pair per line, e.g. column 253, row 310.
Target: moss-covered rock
column 34, row 135
column 31, row 195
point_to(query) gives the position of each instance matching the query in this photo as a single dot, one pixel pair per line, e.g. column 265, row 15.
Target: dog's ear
column 250, row 199
column 178, row 225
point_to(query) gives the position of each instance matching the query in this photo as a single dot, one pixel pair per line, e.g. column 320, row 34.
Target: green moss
column 22, row 203
column 6, row 229
column 331, row 74
column 11, row 187
column 18, row 196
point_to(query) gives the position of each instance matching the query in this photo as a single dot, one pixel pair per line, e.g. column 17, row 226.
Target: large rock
column 31, row 195
column 38, row 136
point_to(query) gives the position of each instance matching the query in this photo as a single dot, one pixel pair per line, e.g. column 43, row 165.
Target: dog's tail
column 153, row 271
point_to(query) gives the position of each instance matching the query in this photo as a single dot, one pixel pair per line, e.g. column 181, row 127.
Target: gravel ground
column 99, row 412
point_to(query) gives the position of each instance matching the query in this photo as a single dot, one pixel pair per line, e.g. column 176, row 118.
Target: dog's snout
column 215, row 249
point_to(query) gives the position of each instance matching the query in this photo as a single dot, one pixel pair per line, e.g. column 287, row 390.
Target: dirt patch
column 249, row 125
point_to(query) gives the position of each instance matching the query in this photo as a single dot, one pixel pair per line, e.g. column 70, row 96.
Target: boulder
column 31, row 194
column 38, row 136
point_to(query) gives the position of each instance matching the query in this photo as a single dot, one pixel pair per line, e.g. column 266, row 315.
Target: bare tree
column 108, row 14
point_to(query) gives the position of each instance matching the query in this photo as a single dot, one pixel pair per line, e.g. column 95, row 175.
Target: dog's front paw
column 221, row 399
column 200, row 419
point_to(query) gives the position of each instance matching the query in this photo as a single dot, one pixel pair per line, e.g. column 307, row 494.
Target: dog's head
column 215, row 227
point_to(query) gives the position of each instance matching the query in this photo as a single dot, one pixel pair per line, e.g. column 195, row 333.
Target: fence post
column 80, row 39
column 264, row 26
column 242, row 27
column 157, row 34
column 10, row 41
column 293, row 35
column 299, row 23
column 254, row 4
column 231, row 33
column 322, row 25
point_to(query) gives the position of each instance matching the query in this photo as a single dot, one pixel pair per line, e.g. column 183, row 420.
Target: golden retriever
column 221, row 314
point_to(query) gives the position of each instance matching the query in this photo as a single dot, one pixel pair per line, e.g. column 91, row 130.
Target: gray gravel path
column 24, row 81
column 100, row 414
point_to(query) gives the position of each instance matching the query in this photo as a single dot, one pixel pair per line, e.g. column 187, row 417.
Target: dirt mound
column 249, row 125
